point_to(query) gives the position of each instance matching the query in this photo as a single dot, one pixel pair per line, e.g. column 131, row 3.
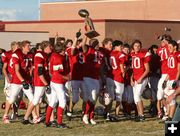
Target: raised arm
column 84, row 47
column 78, row 34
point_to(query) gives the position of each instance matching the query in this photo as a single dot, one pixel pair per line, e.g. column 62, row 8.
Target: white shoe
column 165, row 118
column 69, row 114
column 93, row 122
column 85, row 119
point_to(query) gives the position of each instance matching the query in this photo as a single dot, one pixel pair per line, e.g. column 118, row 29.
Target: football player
column 127, row 100
column 41, row 79
column 115, row 76
column 93, row 61
column 163, row 52
column 20, row 76
column 76, row 60
column 58, row 72
column 105, row 89
column 139, row 80
column 7, row 71
column 172, row 79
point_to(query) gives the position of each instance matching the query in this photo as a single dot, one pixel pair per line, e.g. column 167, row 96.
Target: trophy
column 90, row 31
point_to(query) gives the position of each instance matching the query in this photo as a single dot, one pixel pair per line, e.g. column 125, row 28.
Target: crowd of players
column 111, row 71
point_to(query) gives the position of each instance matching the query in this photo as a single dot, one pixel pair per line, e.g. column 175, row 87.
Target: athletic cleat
column 85, row 119
column 165, row 118
column 25, row 122
column 53, row 123
column 93, row 122
column 47, row 125
column 111, row 118
column 169, row 119
column 140, row 118
column 69, row 115
column 62, row 126
column 108, row 118
column 128, row 117
column 6, row 119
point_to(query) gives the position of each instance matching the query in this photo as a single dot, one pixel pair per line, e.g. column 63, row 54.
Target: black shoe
column 169, row 119
column 62, row 126
column 140, row 119
column 47, row 125
column 25, row 122
column 53, row 124
column 128, row 117
column 113, row 119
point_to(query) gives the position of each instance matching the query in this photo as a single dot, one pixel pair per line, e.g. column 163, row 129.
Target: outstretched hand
column 78, row 34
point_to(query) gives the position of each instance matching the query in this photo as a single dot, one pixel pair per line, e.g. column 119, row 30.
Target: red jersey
column 163, row 52
column 138, row 61
column 24, row 66
column 116, row 59
column 57, row 68
column 93, row 61
column 6, row 58
column 41, row 58
column 173, row 62
column 76, row 63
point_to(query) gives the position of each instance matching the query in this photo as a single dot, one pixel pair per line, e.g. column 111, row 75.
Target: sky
column 21, row 10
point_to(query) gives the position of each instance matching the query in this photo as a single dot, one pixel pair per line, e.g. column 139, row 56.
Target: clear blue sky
column 16, row 10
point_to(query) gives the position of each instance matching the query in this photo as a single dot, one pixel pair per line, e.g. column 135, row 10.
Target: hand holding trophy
column 91, row 33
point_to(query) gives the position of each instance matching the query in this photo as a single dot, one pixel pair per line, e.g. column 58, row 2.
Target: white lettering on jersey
column 136, row 62
column 80, row 59
column 162, row 53
column 98, row 57
column 171, row 62
column 113, row 62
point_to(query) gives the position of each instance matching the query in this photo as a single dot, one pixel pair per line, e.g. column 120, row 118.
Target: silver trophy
column 90, row 30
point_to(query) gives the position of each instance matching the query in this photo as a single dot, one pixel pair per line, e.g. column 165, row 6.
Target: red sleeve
column 39, row 60
column 147, row 57
column 15, row 59
column 122, row 58
column 4, row 58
